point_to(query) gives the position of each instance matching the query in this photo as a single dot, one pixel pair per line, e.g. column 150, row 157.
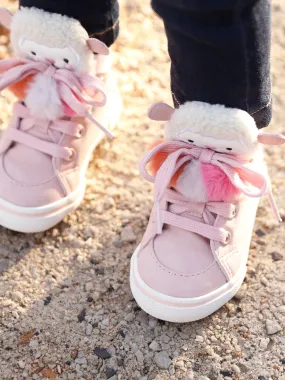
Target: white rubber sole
column 181, row 310
column 39, row 219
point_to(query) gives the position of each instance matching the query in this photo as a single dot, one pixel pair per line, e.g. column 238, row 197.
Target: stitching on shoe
column 231, row 253
column 27, row 186
column 178, row 274
column 12, row 181
column 227, row 256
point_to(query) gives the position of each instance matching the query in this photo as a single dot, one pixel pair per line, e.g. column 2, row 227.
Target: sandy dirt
column 66, row 310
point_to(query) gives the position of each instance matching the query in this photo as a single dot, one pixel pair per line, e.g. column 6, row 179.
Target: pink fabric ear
column 160, row 112
column 271, row 138
column 5, row 17
column 97, row 46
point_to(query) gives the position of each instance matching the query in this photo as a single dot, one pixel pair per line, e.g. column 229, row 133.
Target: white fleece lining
column 53, row 31
column 208, row 124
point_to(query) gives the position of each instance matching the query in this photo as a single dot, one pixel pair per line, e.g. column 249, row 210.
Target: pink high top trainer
column 68, row 101
column 208, row 177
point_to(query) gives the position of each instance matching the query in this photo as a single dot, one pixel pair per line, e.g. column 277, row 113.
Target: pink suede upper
column 202, row 245
column 42, row 161
column 182, row 264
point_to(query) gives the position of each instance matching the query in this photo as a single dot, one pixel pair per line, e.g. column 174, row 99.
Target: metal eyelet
column 81, row 132
column 227, row 239
column 72, row 154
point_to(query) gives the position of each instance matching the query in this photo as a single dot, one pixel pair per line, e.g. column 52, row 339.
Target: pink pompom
column 218, row 186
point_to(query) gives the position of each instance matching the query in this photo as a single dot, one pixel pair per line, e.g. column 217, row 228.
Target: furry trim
column 218, row 186
column 51, row 30
column 158, row 159
column 191, row 184
column 214, row 121
column 42, row 98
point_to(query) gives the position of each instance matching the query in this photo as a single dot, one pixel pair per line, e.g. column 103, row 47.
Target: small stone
column 276, row 256
column 260, row 233
column 130, row 317
column 81, row 316
column 154, row 346
column 66, row 283
column 74, row 354
column 190, row 375
column 17, row 296
column 47, row 373
column 199, row 339
column 96, row 296
column 162, row 360
column 88, row 286
column 26, row 337
column 21, row 364
column 272, row 327
column 230, row 307
column 241, row 293
column 264, row 343
column 89, row 329
column 244, row 368
column 127, row 235
column 261, row 378
column 90, row 299
column 235, row 368
column 264, row 281
column 226, row 373
column 139, row 356
column 106, row 322
column 80, row 354
column 281, row 309
column 81, row 361
column 171, row 370
column 47, row 300
column 93, row 261
column 152, row 322
column 102, row 353
column 179, row 364
column 110, row 372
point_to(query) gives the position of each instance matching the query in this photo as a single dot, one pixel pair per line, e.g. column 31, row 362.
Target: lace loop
column 14, row 134
column 70, row 85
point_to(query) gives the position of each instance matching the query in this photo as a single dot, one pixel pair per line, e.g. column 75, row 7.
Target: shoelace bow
column 70, row 85
column 241, row 174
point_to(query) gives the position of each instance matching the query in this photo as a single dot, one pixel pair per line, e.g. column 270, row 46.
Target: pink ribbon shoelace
column 71, row 85
column 18, row 133
column 249, row 181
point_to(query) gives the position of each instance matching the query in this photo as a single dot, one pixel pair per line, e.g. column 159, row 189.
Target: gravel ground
column 66, row 310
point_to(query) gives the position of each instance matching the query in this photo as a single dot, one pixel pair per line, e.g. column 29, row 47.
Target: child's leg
column 220, row 52
column 99, row 18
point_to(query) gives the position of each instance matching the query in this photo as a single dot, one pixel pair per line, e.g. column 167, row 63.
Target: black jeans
column 219, row 49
